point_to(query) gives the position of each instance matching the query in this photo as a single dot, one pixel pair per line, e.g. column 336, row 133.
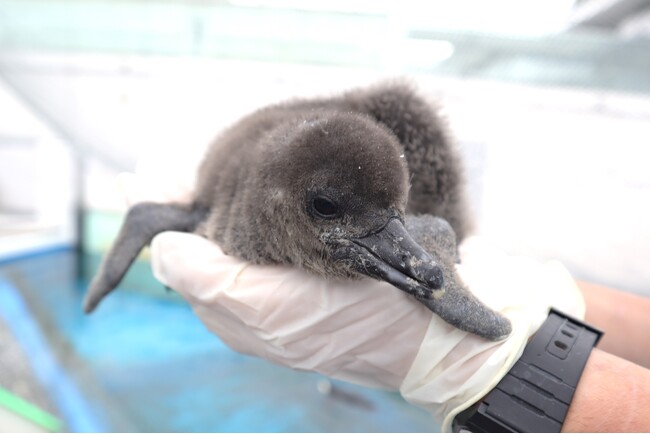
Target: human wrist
column 452, row 370
column 613, row 395
column 535, row 395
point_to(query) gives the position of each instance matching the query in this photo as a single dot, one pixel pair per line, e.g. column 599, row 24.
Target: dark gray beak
column 391, row 254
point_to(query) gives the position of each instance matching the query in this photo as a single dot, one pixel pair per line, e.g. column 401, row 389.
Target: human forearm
column 624, row 318
column 613, row 396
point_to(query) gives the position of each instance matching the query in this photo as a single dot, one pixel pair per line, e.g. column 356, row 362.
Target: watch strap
column 535, row 395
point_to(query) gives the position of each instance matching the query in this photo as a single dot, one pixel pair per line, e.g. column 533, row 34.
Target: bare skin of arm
column 613, row 396
column 625, row 319
column 614, row 393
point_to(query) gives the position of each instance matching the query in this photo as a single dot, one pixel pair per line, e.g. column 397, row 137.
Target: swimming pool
column 145, row 363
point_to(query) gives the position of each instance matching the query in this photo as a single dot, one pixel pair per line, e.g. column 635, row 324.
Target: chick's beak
column 391, row 254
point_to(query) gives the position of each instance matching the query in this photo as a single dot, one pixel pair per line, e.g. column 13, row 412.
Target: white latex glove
column 365, row 331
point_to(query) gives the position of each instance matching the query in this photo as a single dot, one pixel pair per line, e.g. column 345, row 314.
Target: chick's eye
column 324, row 207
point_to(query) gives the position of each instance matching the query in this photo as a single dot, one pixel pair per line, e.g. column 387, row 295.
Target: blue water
column 143, row 363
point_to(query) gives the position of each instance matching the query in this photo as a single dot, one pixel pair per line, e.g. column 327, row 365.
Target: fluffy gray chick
column 325, row 184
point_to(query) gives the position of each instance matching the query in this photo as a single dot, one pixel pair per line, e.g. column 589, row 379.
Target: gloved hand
column 364, row 331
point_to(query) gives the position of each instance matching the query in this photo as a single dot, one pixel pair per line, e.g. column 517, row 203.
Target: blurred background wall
column 549, row 99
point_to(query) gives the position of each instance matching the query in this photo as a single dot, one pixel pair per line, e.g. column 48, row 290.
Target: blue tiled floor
column 144, row 363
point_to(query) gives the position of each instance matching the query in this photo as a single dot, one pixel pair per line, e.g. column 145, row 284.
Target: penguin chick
column 323, row 184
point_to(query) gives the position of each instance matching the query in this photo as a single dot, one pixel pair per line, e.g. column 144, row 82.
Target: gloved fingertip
column 194, row 266
column 170, row 252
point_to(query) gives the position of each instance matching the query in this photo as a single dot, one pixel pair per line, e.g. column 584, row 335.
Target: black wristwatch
column 535, row 395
